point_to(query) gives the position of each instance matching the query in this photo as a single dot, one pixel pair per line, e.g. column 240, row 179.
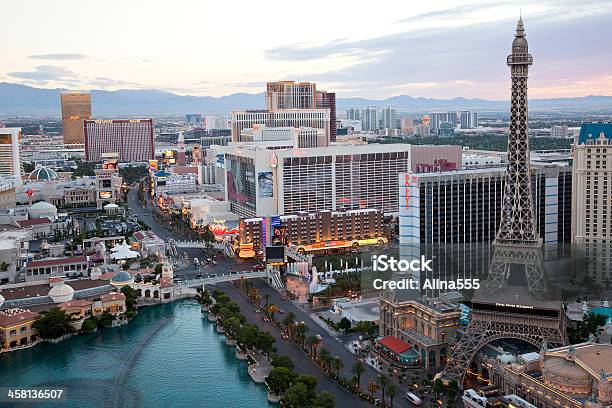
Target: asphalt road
column 302, row 363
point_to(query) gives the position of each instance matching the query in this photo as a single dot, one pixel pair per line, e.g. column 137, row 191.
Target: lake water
column 167, row 356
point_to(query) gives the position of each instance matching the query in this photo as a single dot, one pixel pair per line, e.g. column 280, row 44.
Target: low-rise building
column 113, row 303
column 148, row 243
column 45, row 268
column 428, row 326
column 14, row 245
column 16, row 328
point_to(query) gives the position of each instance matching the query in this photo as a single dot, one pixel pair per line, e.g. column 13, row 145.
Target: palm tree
column 383, row 380
column 325, row 358
column 337, row 366
column 357, row 370
column 312, row 342
column 299, row 331
column 288, row 322
column 372, row 388
column 391, row 391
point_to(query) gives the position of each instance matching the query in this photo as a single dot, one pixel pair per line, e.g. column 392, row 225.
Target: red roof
column 75, row 303
column 60, row 261
column 33, row 221
column 394, row 344
column 11, row 320
column 112, row 296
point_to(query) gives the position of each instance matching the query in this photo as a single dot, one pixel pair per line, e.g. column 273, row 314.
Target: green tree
column 310, row 382
column 279, row 379
column 357, row 370
column 232, row 325
column 297, row 396
column 158, row 269
column 106, row 319
column 391, row 391
column 53, row 323
column 325, row 400
column 130, row 298
column 282, row 361
column 288, row 322
column 337, row 362
column 89, row 324
column 383, row 381
column 325, row 358
column 312, row 342
column 265, row 343
column 344, row 324
column 267, row 299
column 299, row 333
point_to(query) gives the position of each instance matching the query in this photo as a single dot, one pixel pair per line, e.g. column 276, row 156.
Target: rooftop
column 33, row 221
column 12, row 317
column 591, row 131
column 56, row 261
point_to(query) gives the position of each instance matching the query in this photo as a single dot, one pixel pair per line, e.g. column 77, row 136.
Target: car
column 413, row 399
column 266, row 319
column 257, row 311
column 214, row 262
column 285, row 336
column 258, row 267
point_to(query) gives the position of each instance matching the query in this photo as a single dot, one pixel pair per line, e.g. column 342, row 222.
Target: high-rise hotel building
column 76, row 107
column 296, row 118
column 10, row 165
column 457, row 207
column 272, row 178
column 131, row 140
column 592, row 199
column 282, row 95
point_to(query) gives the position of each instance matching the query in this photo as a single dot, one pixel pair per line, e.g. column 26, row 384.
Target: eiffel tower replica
column 515, row 301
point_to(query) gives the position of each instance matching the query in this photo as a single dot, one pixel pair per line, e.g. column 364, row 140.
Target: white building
column 10, row 164
column 369, row 118
column 389, row 117
column 301, row 137
column 314, row 118
column 559, row 131
column 205, row 211
column 263, row 179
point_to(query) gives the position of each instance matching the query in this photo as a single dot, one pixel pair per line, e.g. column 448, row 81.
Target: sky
column 375, row 49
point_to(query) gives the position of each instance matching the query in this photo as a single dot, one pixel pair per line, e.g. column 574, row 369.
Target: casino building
column 573, row 376
column 274, row 178
column 131, row 140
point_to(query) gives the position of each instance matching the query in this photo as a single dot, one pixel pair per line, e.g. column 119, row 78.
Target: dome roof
column 43, row 174
column 43, row 205
column 565, row 370
column 121, row 278
column 61, row 293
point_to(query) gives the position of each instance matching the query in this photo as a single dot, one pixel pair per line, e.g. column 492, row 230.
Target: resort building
column 271, row 178
column 63, row 267
column 427, row 326
column 316, row 231
column 574, row 376
column 113, row 303
column 16, row 329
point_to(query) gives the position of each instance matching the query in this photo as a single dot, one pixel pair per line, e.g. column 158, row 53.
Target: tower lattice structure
column 517, row 248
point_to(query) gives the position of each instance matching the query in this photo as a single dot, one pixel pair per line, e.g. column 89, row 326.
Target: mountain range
column 18, row 99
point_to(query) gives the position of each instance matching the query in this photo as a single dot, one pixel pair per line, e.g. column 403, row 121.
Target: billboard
column 275, row 254
column 265, row 184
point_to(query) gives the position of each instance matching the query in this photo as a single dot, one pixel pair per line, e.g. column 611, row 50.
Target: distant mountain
column 25, row 100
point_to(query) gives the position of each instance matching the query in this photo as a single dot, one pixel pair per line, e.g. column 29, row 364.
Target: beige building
column 592, row 198
column 428, row 326
column 76, row 107
column 573, row 376
column 16, row 329
column 290, row 95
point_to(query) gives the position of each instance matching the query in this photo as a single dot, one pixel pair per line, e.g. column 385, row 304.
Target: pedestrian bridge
column 232, row 276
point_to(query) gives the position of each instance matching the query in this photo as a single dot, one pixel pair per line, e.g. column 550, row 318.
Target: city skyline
column 442, row 50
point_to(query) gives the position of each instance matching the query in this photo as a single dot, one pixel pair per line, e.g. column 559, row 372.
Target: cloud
column 105, row 82
column 59, row 57
column 46, row 73
column 453, row 12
